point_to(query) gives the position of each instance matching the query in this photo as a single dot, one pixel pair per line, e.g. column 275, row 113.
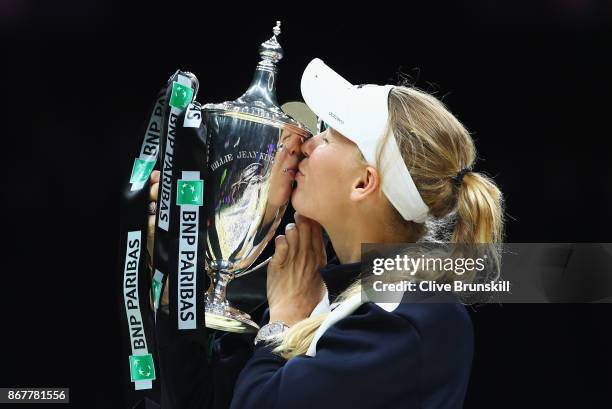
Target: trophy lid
column 260, row 98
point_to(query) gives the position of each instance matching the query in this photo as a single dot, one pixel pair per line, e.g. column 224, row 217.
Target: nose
column 291, row 145
column 309, row 144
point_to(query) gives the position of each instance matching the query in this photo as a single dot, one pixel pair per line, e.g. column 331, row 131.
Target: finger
column 155, row 176
column 154, row 191
column 151, row 226
column 281, row 248
column 150, row 234
column 304, row 232
column 315, row 241
column 293, row 240
column 165, row 298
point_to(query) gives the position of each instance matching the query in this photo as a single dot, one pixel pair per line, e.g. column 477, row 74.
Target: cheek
column 327, row 181
column 329, row 174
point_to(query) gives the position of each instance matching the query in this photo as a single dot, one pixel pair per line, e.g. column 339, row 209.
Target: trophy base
column 229, row 319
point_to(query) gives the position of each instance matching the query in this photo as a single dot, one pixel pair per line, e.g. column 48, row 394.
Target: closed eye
column 328, row 133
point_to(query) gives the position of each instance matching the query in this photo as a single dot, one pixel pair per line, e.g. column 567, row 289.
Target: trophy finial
column 270, row 51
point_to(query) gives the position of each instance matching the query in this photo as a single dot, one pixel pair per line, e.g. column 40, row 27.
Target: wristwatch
column 269, row 331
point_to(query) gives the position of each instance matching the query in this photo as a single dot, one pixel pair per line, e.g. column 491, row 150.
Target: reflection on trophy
column 253, row 151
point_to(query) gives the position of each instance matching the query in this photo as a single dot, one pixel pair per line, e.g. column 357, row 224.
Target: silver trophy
column 253, row 154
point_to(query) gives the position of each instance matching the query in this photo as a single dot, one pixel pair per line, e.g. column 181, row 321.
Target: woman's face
column 284, row 169
column 326, row 176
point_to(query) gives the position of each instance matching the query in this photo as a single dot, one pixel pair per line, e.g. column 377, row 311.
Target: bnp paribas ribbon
column 155, row 144
column 180, row 232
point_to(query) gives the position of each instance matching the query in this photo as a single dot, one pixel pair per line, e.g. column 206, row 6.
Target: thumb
column 150, row 235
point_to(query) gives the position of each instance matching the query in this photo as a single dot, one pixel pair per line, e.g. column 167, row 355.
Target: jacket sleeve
column 192, row 377
column 366, row 357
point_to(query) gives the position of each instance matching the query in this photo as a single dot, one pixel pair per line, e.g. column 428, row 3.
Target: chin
column 297, row 202
column 299, row 205
column 294, row 198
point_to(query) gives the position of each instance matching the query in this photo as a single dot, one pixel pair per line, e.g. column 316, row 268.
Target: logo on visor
column 336, row 118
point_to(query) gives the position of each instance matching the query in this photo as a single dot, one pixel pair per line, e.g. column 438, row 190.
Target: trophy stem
column 222, row 280
column 220, row 314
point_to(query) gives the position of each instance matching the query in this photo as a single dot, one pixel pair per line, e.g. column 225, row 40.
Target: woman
column 394, row 166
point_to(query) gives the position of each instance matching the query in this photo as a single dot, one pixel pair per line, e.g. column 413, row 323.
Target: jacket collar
column 338, row 277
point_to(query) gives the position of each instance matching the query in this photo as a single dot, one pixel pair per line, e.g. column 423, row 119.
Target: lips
column 290, row 171
column 299, row 172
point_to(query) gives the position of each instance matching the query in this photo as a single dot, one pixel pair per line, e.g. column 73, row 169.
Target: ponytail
column 479, row 217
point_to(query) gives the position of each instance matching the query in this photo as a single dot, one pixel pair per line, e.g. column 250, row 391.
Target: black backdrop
column 531, row 82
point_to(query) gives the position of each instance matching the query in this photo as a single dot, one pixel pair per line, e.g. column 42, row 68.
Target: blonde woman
column 393, row 164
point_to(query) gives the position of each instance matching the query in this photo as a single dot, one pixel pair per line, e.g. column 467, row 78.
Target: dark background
column 531, row 80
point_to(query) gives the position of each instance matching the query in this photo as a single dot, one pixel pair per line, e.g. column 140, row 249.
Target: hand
column 153, row 195
column 294, row 284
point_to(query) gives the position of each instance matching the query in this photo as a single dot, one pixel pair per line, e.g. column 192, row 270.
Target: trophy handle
column 243, row 273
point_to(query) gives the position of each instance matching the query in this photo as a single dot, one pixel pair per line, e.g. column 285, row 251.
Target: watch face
column 272, row 329
column 268, row 331
column 276, row 327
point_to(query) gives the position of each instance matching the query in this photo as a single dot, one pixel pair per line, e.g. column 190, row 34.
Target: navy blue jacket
column 418, row 355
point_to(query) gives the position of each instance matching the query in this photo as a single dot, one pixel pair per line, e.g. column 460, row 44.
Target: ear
column 366, row 184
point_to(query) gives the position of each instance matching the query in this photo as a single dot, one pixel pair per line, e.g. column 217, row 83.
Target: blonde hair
column 435, row 147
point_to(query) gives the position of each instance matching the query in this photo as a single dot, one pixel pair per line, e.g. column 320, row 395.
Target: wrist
column 289, row 319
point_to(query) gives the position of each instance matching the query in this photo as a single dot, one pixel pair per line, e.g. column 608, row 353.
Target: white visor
column 360, row 112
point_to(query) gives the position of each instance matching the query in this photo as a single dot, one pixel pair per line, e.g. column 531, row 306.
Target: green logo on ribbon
column 142, row 368
column 141, row 170
column 181, row 96
column 157, row 285
column 189, row 192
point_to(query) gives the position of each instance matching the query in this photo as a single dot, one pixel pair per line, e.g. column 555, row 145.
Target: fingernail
column 290, row 226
